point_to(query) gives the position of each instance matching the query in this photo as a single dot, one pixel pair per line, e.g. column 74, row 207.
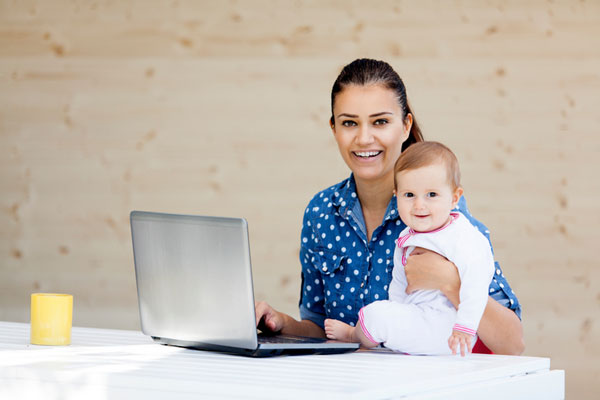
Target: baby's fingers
column 463, row 346
column 452, row 344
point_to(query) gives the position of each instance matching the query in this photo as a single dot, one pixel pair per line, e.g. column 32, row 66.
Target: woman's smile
column 367, row 156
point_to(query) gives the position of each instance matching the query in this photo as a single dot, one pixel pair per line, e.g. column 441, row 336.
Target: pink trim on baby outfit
column 361, row 320
column 402, row 239
column 464, row 329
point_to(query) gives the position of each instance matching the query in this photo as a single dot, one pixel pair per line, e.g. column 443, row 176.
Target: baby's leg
column 339, row 330
column 407, row 327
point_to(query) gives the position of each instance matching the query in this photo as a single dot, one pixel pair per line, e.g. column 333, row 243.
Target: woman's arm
column 269, row 319
column 500, row 328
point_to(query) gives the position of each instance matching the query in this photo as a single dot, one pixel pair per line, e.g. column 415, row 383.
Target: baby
column 427, row 182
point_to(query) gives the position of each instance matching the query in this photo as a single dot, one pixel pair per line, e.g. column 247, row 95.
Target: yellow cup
column 51, row 319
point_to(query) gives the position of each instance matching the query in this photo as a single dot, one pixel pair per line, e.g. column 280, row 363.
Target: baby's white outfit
column 422, row 322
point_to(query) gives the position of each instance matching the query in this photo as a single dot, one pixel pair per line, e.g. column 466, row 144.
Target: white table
column 113, row 364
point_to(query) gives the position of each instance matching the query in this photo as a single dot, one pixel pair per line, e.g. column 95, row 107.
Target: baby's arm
column 476, row 269
column 475, row 272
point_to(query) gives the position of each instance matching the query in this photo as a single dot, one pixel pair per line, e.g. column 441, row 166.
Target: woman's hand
column 427, row 270
column 270, row 320
column 267, row 318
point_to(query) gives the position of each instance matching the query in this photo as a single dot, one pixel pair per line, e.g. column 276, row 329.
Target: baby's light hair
column 424, row 154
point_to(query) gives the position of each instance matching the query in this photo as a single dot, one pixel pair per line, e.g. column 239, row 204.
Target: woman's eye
column 348, row 123
column 381, row 121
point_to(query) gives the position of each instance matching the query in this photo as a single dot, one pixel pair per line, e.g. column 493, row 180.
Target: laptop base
column 311, row 346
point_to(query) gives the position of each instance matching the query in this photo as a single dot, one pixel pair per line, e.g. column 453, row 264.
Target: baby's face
column 425, row 197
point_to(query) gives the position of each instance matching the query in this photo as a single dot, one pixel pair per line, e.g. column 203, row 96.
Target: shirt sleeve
column 476, row 268
column 312, row 298
column 499, row 288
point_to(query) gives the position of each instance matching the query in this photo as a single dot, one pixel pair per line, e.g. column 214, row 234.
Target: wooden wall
column 216, row 107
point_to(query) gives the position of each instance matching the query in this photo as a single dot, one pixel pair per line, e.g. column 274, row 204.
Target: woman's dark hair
column 364, row 71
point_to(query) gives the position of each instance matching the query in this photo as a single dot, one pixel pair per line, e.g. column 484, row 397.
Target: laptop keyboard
column 282, row 339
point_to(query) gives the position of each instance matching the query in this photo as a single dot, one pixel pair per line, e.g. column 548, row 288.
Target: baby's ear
column 456, row 197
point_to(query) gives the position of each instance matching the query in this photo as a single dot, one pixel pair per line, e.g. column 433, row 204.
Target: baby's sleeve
column 476, row 270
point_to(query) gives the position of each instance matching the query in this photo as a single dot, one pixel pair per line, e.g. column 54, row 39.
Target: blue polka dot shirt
column 342, row 271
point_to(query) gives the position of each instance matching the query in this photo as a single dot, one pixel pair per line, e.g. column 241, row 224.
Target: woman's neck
column 375, row 195
column 374, row 198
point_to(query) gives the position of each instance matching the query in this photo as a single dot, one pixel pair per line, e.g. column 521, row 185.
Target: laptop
column 194, row 286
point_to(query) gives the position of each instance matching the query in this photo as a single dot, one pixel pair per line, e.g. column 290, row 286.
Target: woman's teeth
column 367, row 154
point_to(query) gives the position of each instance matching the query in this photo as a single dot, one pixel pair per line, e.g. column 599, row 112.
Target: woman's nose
column 365, row 135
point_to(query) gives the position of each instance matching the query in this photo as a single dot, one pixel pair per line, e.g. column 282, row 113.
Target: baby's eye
column 381, row 121
column 408, row 194
column 348, row 123
column 432, row 194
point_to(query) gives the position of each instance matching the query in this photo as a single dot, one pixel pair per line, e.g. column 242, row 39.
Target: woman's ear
column 332, row 125
column 408, row 121
column 456, row 196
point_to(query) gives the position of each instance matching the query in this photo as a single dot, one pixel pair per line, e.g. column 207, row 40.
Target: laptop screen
column 194, row 278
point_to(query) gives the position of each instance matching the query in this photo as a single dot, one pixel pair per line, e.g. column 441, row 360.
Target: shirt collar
column 392, row 210
column 346, row 198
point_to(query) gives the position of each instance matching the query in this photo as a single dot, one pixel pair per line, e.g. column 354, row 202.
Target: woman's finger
column 261, row 309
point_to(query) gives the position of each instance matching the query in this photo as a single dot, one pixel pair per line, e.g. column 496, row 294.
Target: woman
column 349, row 229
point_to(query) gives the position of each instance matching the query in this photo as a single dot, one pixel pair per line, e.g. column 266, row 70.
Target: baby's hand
column 462, row 338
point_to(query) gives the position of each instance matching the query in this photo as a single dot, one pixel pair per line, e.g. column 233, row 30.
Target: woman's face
column 369, row 130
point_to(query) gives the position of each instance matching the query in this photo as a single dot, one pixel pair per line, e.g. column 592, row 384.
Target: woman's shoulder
column 464, row 210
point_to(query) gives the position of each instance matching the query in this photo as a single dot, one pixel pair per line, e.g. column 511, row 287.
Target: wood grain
column 221, row 108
